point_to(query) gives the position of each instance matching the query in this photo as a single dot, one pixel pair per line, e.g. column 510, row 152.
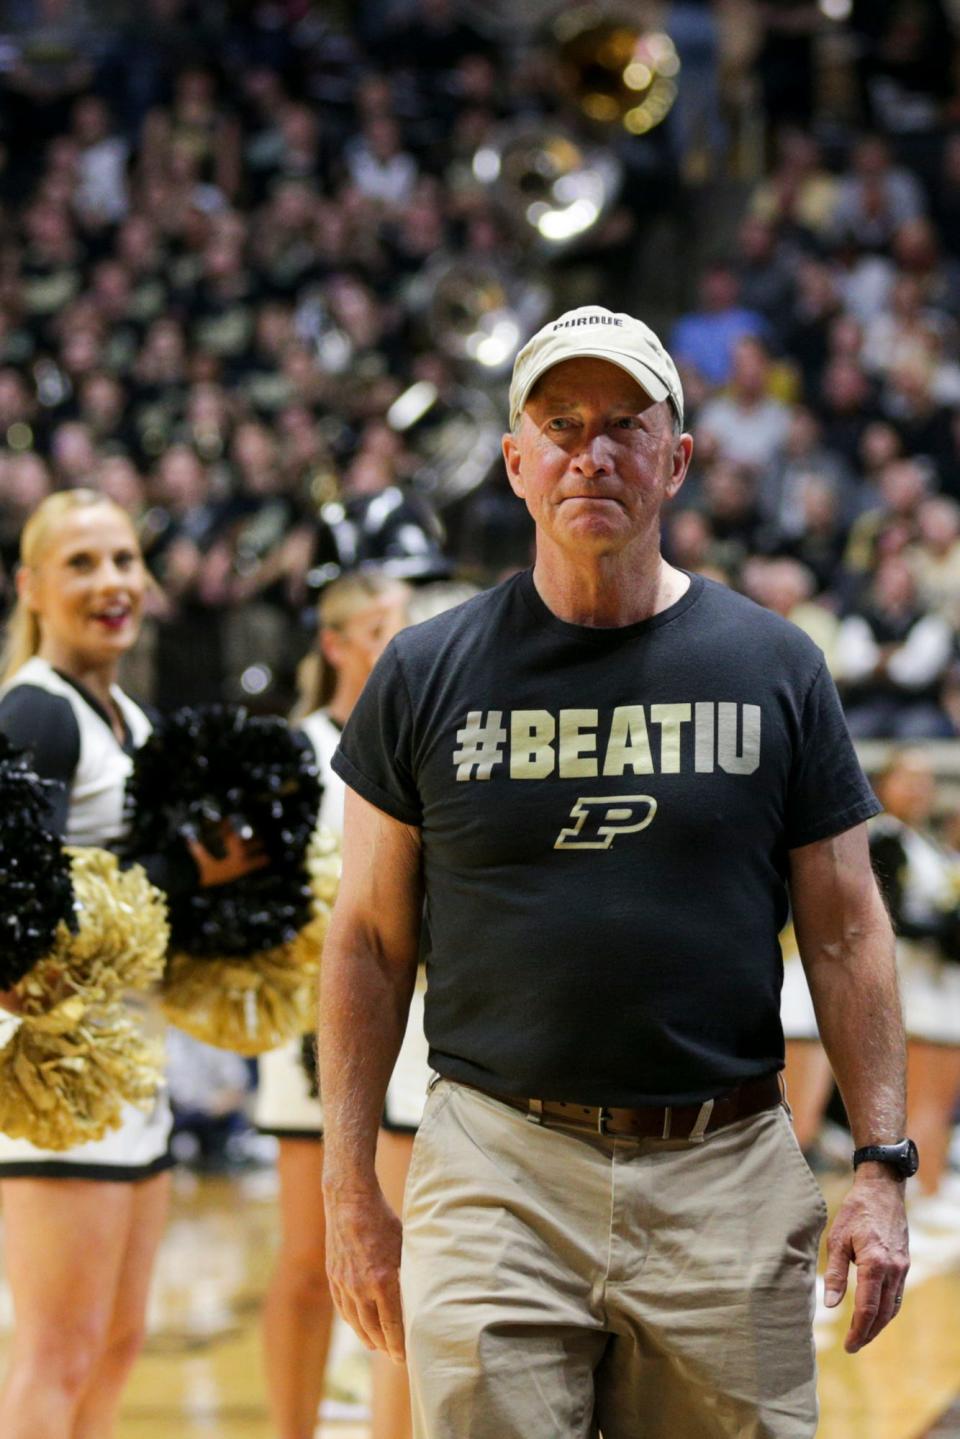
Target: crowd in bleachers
column 219, row 232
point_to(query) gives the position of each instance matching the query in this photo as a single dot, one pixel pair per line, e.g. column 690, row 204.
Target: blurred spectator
column 379, row 166
column 892, row 657
column 101, row 191
column 198, row 128
column 934, row 557
column 748, row 427
column 766, row 272
column 879, row 445
column 73, row 455
column 890, row 524
column 787, row 587
column 917, row 251
column 799, row 194
column 705, row 340
column 910, row 402
column 208, row 1089
column 24, row 482
column 877, row 197
column 730, row 506
column 805, row 328
column 904, row 62
column 819, row 542
column 902, row 332
column 178, row 531
column 802, row 455
column 689, row 540
column 847, row 405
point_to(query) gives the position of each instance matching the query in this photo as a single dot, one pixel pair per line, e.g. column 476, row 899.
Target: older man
column 605, row 776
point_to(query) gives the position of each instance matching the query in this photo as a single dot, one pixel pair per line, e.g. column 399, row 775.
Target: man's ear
column 511, row 459
column 682, row 455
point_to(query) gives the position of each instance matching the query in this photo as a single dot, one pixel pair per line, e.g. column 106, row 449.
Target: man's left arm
column 847, row 947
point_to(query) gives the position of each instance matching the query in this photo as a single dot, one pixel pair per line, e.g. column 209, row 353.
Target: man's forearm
column 364, row 999
column 853, row 982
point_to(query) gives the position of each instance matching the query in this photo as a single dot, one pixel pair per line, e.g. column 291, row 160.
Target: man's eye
column 560, row 422
column 79, row 562
column 627, row 422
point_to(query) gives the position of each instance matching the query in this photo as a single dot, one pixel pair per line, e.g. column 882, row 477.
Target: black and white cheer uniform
column 920, row 880
column 287, row 1104
column 70, row 740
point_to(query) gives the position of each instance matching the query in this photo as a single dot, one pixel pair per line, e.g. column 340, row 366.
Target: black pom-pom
column 36, row 892
column 214, row 763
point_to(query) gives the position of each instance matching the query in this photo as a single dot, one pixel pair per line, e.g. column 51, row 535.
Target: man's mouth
column 593, row 498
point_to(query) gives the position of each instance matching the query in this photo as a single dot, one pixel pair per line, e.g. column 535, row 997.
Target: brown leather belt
column 672, row 1121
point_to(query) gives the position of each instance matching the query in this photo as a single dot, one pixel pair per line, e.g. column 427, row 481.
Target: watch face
column 911, row 1160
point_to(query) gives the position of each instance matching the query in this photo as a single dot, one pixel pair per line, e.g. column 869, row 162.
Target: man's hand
column 363, row 1266
column 870, row 1231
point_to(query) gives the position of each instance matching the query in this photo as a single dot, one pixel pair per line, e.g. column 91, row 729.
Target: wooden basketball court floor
column 201, row 1378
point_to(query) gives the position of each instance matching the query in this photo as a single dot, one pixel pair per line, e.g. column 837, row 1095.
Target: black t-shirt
column 606, row 817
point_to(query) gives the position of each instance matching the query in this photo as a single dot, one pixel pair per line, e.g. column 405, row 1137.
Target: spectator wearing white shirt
column 877, row 197
column 379, row 167
column 101, row 193
column 891, row 658
column 749, row 426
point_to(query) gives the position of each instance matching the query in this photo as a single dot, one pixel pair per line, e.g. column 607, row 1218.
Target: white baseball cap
column 602, row 335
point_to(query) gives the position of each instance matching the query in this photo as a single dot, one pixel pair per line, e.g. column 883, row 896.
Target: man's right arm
column 367, row 977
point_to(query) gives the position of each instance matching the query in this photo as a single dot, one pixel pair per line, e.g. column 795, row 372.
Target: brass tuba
column 614, row 72
column 548, row 183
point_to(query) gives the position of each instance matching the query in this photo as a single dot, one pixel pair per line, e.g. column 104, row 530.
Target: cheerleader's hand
column 241, row 853
column 10, row 1001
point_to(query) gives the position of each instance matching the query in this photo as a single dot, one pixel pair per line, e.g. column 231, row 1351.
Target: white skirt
column 138, row 1148
column 931, row 993
column 796, row 1006
column 285, row 1106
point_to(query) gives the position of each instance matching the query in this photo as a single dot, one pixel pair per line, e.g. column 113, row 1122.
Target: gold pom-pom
column 64, row 1080
column 120, row 944
column 76, row 1055
column 255, row 1003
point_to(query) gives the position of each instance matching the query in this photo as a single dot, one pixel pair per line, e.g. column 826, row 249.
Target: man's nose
column 593, row 457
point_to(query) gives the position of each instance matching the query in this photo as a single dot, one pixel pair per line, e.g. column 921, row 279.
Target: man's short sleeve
column 829, row 792
column 375, row 754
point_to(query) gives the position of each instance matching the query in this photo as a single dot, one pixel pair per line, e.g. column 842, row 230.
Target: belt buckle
column 603, row 1119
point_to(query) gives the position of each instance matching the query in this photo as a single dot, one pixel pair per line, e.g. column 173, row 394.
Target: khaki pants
column 556, row 1285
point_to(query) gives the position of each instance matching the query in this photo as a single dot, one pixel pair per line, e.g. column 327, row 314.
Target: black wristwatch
column 902, row 1158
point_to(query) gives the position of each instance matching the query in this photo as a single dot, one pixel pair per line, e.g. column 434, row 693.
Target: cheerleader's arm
column 45, row 727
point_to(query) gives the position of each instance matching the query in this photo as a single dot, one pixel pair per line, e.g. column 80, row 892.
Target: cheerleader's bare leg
column 809, row 1080
column 98, row 1408
column 933, row 1087
column 65, row 1243
column 298, row 1311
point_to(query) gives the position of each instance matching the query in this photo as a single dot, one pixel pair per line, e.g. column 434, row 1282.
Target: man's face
column 595, row 458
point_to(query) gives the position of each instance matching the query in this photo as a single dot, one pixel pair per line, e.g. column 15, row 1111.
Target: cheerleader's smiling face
column 87, row 588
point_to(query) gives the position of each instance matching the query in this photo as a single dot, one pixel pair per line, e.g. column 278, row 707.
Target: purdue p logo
column 600, row 818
